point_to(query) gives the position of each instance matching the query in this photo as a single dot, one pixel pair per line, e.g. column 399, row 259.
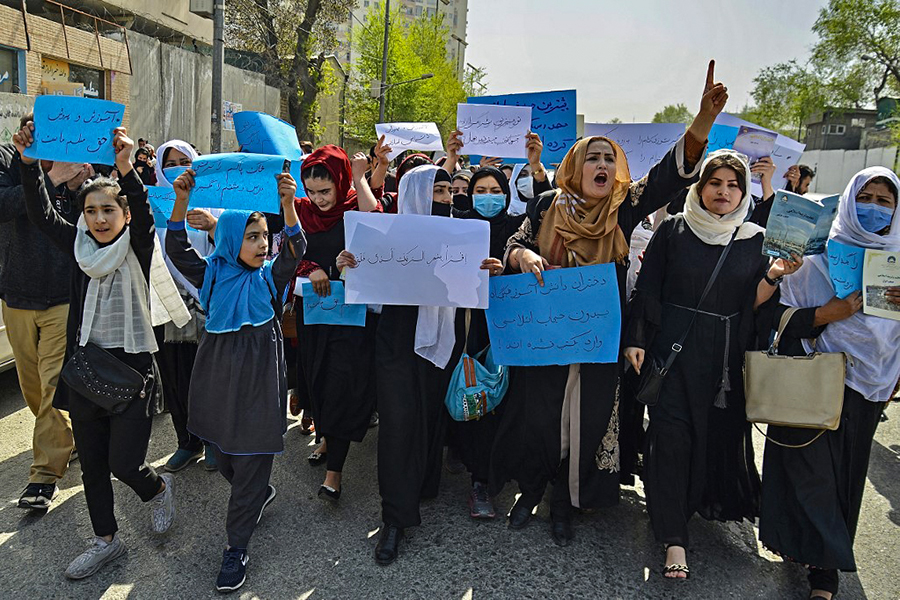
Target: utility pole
column 384, row 60
column 218, row 62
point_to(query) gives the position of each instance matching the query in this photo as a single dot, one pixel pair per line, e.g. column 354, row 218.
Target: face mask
column 439, row 209
column 489, row 205
column 525, row 185
column 462, row 202
column 172, row 173
column 873, row 217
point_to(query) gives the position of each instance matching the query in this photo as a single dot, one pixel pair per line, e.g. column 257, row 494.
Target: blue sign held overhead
column 721, row 137
column 553, row 117
column 261, row 133
column 238, row 181
column 331, row 310
column 73, row 129
column 574, row 318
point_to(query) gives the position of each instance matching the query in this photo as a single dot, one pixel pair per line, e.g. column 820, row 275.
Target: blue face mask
column 489, row 205
column 172, row 173
column 874, row 217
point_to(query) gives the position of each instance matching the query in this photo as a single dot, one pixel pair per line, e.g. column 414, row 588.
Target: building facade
column 840, row 129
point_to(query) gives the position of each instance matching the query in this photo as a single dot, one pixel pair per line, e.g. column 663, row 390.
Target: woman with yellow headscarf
column 561, row 423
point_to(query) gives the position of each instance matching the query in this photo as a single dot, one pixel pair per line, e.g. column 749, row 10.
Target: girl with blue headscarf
column 238, row 388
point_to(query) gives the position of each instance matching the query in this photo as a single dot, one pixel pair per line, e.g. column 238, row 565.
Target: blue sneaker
column 233, row 571
column 182, row 458
column 209, row 459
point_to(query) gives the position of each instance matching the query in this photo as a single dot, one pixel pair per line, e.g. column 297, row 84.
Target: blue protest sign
column 331, row 310
column 162, row 201
column 261, row 133
column 574, row 318
column 553, row 117
column 845, row 266
column 722, row 137
column 73, row 129
column 238, row 181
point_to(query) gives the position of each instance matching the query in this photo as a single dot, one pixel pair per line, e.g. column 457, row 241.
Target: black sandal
column 677, row 568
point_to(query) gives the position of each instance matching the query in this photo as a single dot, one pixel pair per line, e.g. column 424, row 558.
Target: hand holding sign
column 73, row 129
column 409, row 136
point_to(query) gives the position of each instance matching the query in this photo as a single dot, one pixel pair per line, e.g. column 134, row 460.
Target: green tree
column 416, row 48
column 292, row 37
column 615, row 120
column 674, row 113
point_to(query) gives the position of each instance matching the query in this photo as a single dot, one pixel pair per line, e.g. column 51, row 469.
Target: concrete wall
column 12, row 108
column 171, row 94
column 834, row 168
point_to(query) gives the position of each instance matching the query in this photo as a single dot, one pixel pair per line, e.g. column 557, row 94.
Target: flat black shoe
column 520, row 515
column 388, row 544
column 561, row 531
column 329, row 493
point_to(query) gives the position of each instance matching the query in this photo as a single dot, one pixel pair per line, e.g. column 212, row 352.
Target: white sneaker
column 94, row 558
column 163, row 506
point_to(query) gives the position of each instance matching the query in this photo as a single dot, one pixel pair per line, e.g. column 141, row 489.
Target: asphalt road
column 306, row 549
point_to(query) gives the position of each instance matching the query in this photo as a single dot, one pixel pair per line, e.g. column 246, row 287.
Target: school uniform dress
column 238, row 393
column 699, row 454
column 529, row 446
column 108, row 444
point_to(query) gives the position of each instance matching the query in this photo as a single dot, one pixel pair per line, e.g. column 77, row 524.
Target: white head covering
column 199, row 239
column 517, row 206
column 717, row 230
column 435, row 335
column 873, row 342
column 179, row 145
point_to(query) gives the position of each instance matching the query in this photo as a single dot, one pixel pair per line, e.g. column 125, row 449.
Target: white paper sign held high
column 409, row 136
column 494, row 130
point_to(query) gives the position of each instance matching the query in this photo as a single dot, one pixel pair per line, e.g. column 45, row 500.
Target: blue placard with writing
column 238, row 181
column 261, row 133
column 331, row 310
column 73, row 129
column 574, row 318
column 845, row 266
column 553, row 117
column 162, row 201
column 721, row 137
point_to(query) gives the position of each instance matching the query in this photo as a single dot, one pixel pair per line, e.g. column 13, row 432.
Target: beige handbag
column 794, row 391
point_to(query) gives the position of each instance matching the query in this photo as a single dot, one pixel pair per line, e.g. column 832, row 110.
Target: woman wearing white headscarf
column 698, row 455
column 177, row 353
column 811, row 496
column 414, row 346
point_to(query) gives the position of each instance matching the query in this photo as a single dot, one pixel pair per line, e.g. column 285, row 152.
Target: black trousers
column 113, row 445
column 249, row 479
column 337, row 453
column 176, row 363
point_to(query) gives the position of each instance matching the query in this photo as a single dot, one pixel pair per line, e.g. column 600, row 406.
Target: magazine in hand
column 798, row 225
column 881, row 271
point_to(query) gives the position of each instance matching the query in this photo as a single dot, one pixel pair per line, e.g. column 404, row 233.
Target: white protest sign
column 409, row 136
column 786, row 154
column 645, row 144
column 416, row 260
column 491, row 130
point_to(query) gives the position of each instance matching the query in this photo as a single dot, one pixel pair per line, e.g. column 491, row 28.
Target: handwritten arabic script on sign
column 494, row 130
column 416, row 260
column 72, row 129
column 238, row 181
column 331, row 309
column 645, row 144
column 409, row 136
column 845, row 267
column 574, row 318
column 553, row 117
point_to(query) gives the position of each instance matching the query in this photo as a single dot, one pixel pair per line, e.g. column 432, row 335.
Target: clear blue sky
column 630, row 58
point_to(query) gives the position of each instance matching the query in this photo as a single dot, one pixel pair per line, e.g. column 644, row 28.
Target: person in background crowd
column 699, row 451
column 238, row 392
column 389, row 199
column 561, row 423
column 459, row 187
column 141, row 143
column 35, row 304
column 507, row 170
column 307, row 147
column 143, row 168
column 812, row 492
column 113, row 246
column 799, row 179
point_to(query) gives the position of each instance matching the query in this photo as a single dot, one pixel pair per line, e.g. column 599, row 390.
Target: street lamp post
column 384, row 87
column 218, row 60
column 384, row 59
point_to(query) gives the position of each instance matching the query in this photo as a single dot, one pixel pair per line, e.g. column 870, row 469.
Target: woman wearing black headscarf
column 489, row 196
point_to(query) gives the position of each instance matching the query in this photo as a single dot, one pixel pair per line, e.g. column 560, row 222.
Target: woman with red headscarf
column 338, row 388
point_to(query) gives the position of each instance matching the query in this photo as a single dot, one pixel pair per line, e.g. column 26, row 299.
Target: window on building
column 860, row 122
column 834, row 129
column 9, row 71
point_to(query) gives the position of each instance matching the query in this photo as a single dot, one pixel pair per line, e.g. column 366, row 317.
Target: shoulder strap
column 677, row 346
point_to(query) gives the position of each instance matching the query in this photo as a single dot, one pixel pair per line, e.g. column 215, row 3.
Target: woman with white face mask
column 811, row 496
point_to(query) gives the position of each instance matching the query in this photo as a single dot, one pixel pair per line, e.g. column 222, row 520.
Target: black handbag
column 104, row 379
column 654, row 371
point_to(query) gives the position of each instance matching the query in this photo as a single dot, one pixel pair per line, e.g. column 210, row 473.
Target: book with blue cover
column 798, row 225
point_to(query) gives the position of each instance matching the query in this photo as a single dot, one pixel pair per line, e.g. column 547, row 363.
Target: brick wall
column 74, row 46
